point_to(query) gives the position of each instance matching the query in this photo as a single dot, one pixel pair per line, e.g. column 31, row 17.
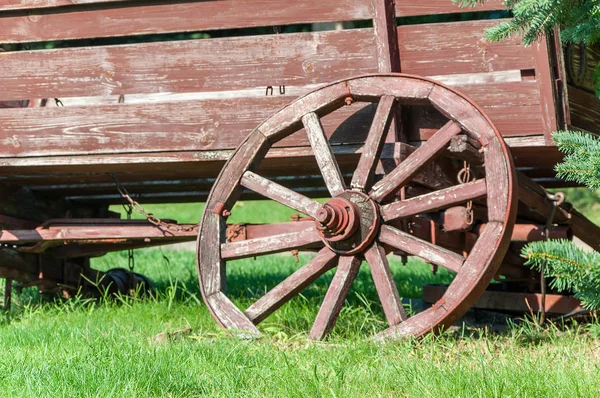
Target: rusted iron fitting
column 337, row 219
column 235, row 233
column 221, row 210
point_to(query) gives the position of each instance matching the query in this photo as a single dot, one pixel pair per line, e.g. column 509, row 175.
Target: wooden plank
column 48, row 20
column 280, row 194
column 36, row 4
column 363, row 175
column 386, row 37
column 133, row 18
column 585, row 109
column 415, row 7
column 420, row 248
column 403, row 8
column 168, row 126
column 345, row 274
column 459, row 47
column 410, row 166
column 323, row 154
column 544, row 76
column 434, row 201
column 455, row 50
column 385, row 285
column 192, row 66
column 292, row 285
column 271, row 244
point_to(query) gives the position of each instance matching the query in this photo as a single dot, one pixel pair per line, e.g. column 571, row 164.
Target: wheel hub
column 348, row 223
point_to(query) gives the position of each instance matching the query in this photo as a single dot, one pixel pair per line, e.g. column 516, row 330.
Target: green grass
column 108, row 348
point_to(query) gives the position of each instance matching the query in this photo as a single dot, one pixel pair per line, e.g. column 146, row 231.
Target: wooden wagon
column 446, row 161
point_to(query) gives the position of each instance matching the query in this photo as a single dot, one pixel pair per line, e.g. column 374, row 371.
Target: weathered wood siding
column 189, row 101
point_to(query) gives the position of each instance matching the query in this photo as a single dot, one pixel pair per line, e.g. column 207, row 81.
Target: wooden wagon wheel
column 356, row 223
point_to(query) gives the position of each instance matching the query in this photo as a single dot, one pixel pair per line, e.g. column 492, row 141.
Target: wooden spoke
column 434, row 201
column 420, row 248
column 385, row 285
column 363, row 175
column 281, row 194
column 291, row 286
column 323, row 154
column 334, row 298
column 270, row 244
column 410, row 166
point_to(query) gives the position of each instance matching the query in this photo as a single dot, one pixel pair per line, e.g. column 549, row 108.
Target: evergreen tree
column 571, row 268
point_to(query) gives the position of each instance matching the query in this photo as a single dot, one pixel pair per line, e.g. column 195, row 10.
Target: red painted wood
column 347, row 270
column 363, row 175
column 280, row 194
column 168, row 126
column 433, row 201
column 386, row 37
column 385, row 285
column 404, row 8
column 230, row 316
column 249, row 63
column 420, row 248
column 393, row 181
column 158, row 17
column 123, row 18
column 415, row 7
column 458, row 48
column 292, row 285
column 271, row 244
column 585, row 109
column 323, row 154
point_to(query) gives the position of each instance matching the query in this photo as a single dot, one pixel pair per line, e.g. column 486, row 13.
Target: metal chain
column 130, row 253
column 149, row 216
column 464, row 176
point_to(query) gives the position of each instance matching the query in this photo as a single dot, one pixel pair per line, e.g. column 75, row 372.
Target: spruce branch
column 572, row 268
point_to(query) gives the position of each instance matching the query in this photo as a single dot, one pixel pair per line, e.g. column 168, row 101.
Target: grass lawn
column 117, row 348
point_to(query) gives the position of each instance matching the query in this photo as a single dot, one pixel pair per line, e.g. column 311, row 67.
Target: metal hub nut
column 338, row 219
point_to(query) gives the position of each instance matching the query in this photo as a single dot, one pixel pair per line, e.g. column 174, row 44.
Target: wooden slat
column 210, row 126
column 45, row 20
column 248, row 63
column 454, row 49
column 403, row 8
column 415, row 7
column 459, row 47
column 135, row 18
column 36, row 4
column 169, row 126
column 585, row 109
